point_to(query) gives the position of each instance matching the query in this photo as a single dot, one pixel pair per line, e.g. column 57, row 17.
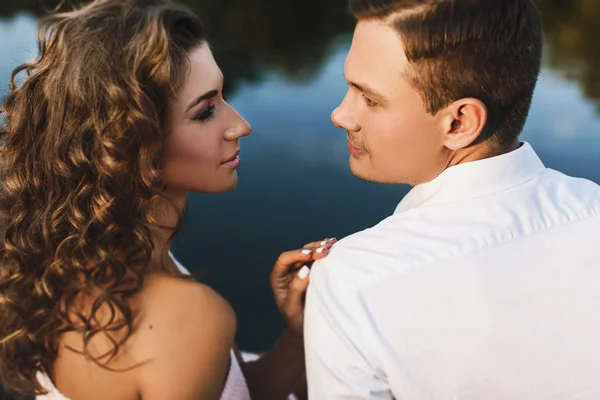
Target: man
column 485, row 282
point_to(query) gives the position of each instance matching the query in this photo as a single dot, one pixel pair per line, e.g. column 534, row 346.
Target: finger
column 325, row 242
column 320, row 243
column 294, row 304
column 289, row 259
column 320, row 252
column 296, row 258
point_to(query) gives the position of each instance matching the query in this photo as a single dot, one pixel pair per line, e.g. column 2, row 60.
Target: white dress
column 235, row 387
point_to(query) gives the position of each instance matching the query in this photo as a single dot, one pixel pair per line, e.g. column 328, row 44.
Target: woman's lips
column 232, row 162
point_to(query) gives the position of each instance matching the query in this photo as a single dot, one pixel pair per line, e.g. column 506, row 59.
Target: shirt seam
column 475, row 197
column 419, row 266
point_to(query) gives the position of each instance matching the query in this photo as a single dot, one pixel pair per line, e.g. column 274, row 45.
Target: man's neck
column 480, row 151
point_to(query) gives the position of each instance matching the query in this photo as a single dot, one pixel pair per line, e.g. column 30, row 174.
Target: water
column 283, row 65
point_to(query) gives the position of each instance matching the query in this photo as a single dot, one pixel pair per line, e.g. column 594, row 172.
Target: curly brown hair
column 81, row 154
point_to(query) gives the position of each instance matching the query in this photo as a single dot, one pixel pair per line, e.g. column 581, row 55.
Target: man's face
column 392, row 138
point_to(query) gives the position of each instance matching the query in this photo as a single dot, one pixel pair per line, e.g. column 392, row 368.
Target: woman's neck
column 168, row 212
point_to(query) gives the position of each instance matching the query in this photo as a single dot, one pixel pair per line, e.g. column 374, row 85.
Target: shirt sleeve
column 339, row 361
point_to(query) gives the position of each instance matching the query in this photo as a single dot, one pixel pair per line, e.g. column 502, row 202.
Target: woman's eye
column 205, row 114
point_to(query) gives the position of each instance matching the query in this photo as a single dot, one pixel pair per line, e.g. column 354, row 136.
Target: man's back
column 482, row 285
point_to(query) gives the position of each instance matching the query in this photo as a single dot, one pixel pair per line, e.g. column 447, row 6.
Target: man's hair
column 487, row 49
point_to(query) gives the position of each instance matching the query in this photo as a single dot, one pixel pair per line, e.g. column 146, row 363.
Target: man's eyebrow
column 368, row 91
column 200, row 99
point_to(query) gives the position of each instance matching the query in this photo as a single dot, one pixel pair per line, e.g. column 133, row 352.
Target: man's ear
column 463, row 121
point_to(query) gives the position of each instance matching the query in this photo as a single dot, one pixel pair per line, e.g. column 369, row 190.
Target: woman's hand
column 289, row 281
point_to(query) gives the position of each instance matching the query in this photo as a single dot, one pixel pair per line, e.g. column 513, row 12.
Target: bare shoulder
column 176, row 307
column 166, row 298
column 184, row 336
column 180, row 348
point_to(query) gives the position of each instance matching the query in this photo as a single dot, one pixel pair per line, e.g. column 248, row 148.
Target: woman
column 119, row 116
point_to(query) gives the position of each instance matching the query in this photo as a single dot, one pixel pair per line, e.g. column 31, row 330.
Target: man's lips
column 355, row 151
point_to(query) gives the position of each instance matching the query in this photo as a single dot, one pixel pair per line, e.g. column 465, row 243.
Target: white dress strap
column 179, row 265
column 53, row 393
column 235, row 388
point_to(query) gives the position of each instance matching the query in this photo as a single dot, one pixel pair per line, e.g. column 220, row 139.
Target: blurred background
column 283, row 63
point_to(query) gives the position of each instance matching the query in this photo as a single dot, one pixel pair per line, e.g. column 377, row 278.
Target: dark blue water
column 295, row 185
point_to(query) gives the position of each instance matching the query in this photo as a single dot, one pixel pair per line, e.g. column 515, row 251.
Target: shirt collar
column 476, row 178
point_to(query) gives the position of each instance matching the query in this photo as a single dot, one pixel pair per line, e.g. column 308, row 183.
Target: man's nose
column 343, row 118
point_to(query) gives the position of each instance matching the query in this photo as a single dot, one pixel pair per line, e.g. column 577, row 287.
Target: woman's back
column 184, row 334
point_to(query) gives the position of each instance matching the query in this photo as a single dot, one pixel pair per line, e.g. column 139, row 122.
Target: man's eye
column 369, row 102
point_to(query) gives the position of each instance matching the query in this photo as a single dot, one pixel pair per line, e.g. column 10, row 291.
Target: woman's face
column 202, row 149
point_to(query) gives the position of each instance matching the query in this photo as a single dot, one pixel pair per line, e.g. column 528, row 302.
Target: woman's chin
column 232, row 185
column 222, row 186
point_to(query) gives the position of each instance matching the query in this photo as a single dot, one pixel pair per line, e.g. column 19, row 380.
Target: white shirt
column 484, row 284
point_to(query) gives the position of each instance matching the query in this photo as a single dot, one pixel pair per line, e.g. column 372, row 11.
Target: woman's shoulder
column 183, row 334
column 166, row 299
column 186, row 332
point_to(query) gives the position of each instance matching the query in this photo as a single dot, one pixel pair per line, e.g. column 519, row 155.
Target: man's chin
column 359, row 172
column 370, row 176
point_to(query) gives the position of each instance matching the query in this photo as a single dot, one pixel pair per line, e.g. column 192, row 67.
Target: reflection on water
column 573, row 31
column 283, row 62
